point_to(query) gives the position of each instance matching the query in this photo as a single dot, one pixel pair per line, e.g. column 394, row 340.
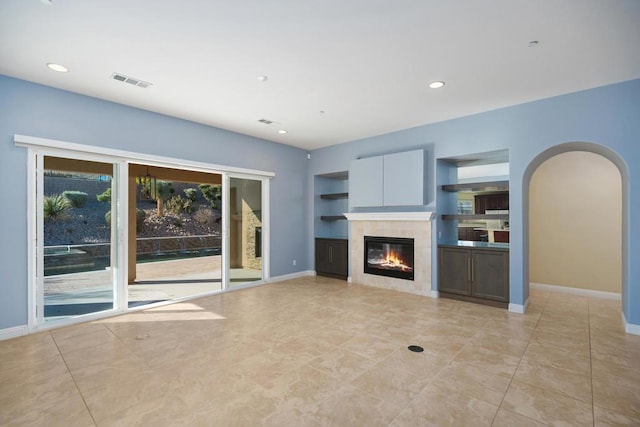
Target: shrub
column 105, row 196
column 178, row 204
column 191, row 194
column 164, row 189
column 213, row 193
column 206, row 216
column 56, row 207
column 107, row 217
column 76, row 198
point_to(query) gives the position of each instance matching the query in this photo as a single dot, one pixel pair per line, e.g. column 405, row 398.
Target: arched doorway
column 532, row 242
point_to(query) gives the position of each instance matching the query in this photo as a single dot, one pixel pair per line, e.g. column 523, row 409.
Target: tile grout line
column 519, row 362
column 436, row 376
column 73, row 379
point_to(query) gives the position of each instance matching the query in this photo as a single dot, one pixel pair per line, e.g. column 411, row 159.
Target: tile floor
column 316, row 351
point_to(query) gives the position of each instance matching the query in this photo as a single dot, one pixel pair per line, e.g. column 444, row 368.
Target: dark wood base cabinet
column 332, row 258
column 474, row 274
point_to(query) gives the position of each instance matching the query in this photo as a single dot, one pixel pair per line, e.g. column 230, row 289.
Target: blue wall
column 36, row 110
column 608, row 116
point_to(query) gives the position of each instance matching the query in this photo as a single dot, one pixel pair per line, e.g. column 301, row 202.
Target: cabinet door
column 404, row 178
column 322, row 256
column 339, row 258
column 366, row 182
column 454, row 271
column 332, row 258
column 490, row 277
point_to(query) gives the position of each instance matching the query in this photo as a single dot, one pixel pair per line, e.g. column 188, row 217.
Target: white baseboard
column 519, row 308
column 630, row 328
column 575, row 291
column 16, row 331
column 290, row 276
column 349, row 279
column 434, row 294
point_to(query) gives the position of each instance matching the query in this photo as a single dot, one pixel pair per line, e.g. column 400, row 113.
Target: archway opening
column 573, row 258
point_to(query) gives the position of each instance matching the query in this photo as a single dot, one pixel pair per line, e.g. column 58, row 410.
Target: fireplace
column 389, row 256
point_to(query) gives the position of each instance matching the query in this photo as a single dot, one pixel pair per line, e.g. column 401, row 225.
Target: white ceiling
column 365, row 63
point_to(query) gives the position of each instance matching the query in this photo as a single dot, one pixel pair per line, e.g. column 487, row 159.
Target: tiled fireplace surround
column 415, row 225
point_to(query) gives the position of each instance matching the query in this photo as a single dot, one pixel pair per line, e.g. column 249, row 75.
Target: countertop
column 477, row 245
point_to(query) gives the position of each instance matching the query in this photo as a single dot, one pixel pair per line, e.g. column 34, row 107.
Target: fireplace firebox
column 389, row 256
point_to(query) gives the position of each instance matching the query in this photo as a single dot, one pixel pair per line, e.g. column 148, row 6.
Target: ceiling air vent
column 266, row 121
column 132, row 81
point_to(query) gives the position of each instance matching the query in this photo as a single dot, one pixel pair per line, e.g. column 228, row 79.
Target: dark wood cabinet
column 471, row 234
column 332, row 258
column 479, row 274
column 466, row 233
column 454, row 271
column 486, row 202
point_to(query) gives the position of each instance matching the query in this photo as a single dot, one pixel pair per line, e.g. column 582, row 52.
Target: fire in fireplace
column 389, row 256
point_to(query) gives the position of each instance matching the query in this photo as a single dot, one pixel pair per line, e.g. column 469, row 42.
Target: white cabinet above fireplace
column 391, row 180
column 366, row 182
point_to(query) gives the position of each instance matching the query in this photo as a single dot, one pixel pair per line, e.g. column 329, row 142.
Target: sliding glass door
column 75, row 237
column 245, row 230
column 105, row 236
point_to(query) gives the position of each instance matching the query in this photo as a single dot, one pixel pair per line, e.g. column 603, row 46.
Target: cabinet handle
column 330, row 254
column 469, row 268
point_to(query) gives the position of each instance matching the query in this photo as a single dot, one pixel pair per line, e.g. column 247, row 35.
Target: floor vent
column 132, row 81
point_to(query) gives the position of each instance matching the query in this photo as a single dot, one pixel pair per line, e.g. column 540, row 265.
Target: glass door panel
column 245, row 230
column 77, row 220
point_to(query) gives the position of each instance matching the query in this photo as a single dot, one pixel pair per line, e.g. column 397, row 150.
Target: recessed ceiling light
column 262, row 78
column 57, row 67
column 436, row 85
column 47, row 1
column 282, row 131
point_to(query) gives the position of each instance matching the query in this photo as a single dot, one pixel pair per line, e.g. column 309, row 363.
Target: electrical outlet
column 294, row 262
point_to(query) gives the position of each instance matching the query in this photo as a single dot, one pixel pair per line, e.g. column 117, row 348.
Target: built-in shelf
column 478, row 216
column 334, row 196
column 332, row 217
column 478, row 186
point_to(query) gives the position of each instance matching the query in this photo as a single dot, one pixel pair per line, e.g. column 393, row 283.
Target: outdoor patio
column 81, row 293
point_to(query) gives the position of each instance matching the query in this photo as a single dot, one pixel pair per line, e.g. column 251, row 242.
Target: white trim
column 389, row 216
column 519, row 308
column 575, row 291
column 297, row 275
column 32, row 240
column 434, row 294
column 35, row 142
column 16, row 331
column 120, row 234
column 226, row 223
column 38, row 273
column 349, row 279
column 630, row 328
column 266, row 231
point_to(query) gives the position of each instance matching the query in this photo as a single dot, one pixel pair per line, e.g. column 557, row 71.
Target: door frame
column 35, row 227
column 43, row 146
column 226, row 230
